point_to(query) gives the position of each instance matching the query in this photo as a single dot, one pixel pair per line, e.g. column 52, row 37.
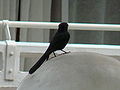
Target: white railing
column 11, row 50
column 54, row 25
column 5, row 24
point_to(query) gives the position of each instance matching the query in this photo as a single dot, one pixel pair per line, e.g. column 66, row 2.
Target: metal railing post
column 9, row 63
column 5, row 26
column 9, row 67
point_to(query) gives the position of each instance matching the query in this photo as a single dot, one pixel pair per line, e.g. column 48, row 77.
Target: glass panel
column 94, row 11
column 27, row 60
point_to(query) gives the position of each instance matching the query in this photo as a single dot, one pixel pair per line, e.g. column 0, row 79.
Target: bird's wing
column 59, row 40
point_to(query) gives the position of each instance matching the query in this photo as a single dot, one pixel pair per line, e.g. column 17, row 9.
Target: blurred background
column 72, row 11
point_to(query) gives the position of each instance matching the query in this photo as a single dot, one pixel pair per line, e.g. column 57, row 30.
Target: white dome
column 75, row 71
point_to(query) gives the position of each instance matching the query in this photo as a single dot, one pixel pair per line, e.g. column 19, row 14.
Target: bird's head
column 63, row 26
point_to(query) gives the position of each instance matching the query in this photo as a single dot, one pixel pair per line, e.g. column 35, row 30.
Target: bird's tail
column 39, row 62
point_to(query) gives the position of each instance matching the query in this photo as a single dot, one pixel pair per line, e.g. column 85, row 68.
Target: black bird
column 58, row 42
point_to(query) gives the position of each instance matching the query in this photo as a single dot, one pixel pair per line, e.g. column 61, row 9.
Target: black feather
column 58, row 42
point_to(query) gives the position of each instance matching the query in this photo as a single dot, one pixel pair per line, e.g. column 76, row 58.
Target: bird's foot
column 65, row 52
column 59, row 54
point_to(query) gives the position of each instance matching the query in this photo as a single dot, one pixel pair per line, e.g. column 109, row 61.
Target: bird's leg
column 54, row 54
column 65, row 51
column 47, row 58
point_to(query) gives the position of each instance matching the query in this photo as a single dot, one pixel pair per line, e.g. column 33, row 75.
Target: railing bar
column 72, row 26
column 30, row 44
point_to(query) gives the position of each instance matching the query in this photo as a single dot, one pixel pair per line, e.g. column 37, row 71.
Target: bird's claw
column 66, row 52
column 60, row 54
